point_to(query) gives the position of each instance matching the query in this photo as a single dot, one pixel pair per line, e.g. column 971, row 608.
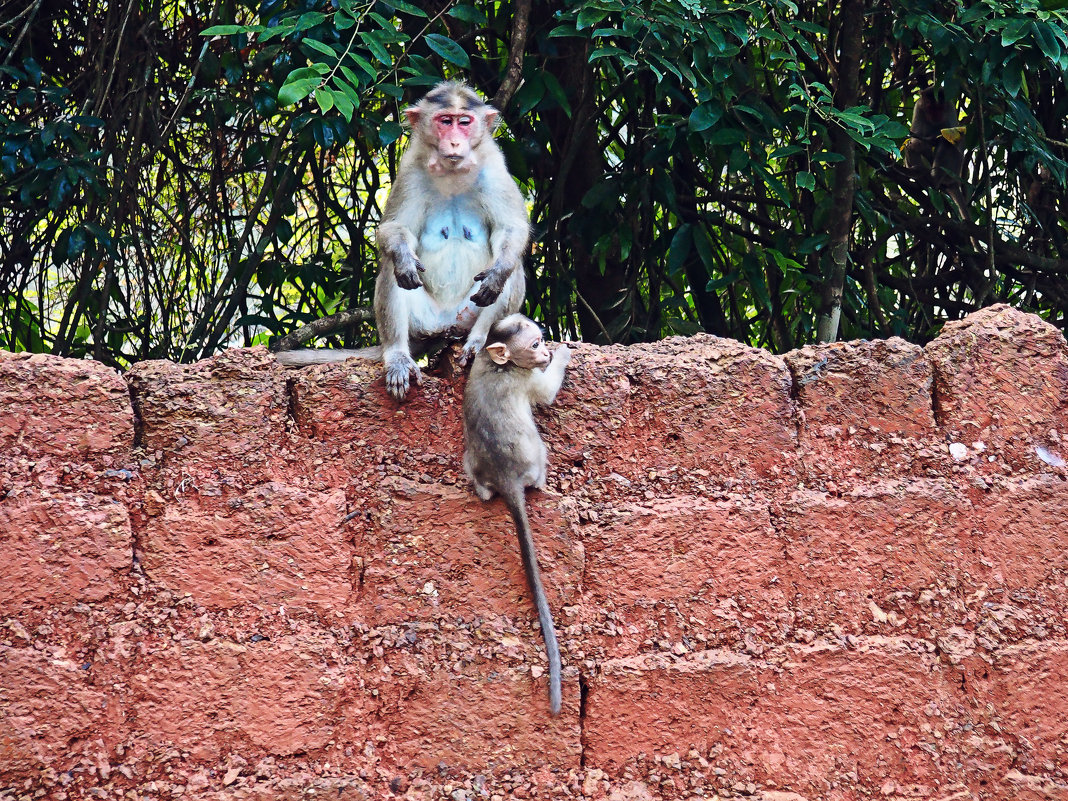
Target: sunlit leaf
column 229, row 30
column 953, row 135
column 296, row 91
column 325, row 99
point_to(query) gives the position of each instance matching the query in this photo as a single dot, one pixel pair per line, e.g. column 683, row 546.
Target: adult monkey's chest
column 453, row 246
column 455, row 223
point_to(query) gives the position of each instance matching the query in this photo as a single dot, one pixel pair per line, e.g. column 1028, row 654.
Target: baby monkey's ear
column 498, row 351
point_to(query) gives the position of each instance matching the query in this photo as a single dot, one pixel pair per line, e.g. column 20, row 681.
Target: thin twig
column 596, row 319
column 22, row 33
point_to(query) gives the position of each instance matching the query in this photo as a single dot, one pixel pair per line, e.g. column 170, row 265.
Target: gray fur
column 504, row 453
column 305, row 356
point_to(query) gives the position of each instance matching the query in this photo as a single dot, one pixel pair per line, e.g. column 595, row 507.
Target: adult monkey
column 454, row 218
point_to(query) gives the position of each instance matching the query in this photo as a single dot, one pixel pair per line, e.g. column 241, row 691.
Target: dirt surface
column 839, row 574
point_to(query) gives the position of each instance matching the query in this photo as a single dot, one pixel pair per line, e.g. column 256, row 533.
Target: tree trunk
column 840, row 220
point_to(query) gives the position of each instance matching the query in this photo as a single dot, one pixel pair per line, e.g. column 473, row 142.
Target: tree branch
column 321, row 327
column 520, row 28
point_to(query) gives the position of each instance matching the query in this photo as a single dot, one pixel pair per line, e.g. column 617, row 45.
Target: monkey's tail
column 302, row 357
column 515, row 499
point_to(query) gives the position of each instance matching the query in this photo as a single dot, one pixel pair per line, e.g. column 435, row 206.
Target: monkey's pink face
column 456, row 131
column 530, row 350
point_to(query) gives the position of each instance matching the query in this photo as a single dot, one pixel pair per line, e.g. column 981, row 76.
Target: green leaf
column 296, row 91
column 364, row 65
column 1047, row 41
column 281, row 29
column 448, row 49
column 738, row 159
column 310, row 20
column 470, row 14
column 404, row 8
column 325, row 49
column 774, row 184
column 679, row 250
column 589, row 17
column 301, row 74
column 1014, row 31
column 389, row 132
column 529, row 95
column 78, row 241
column 325, row 99
column 603, row 193
column 557, row 92
column 605, row 52
column 726, row 136
column 716, row 284
column 265, row 103
column 806, row 180
column 378, row 50
column 344, row 105
column 703, row 244
column 387, row 30
column 828, row 157
column 230, row 30
column 1012, row 79
column 568, row 31
column 754, row 274
column 350, row 91
column 705, row 116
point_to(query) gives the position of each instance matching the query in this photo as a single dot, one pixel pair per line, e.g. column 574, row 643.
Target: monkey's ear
column 490, row 119
column 498, row 351
column 413, row 113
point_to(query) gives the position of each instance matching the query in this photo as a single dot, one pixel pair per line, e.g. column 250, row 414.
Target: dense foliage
column 178, row 176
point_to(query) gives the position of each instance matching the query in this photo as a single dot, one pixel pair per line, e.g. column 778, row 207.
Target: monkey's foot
column 399, row 369
column 472, row 346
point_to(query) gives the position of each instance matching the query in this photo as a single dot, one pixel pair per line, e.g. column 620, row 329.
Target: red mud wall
column 834, row 575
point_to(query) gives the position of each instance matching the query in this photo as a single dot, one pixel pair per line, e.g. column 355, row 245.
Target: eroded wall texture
column 841, row 574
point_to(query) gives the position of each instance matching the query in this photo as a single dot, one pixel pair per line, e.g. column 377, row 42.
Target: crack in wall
column 584, row 692
column 291, row 404
column 938, row 413
column 797, row 413
column 133, row 515
column 135, row 409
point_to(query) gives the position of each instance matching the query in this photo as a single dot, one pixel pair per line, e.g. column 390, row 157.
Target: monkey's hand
column 562, row 355
column 493, row 281
column 407, row 269
column 399, row 369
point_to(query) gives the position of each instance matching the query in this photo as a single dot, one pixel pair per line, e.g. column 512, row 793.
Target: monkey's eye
column 445, row 119
column 465, row 121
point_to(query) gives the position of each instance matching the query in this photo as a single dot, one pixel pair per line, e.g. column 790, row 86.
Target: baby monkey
column 503, row 451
